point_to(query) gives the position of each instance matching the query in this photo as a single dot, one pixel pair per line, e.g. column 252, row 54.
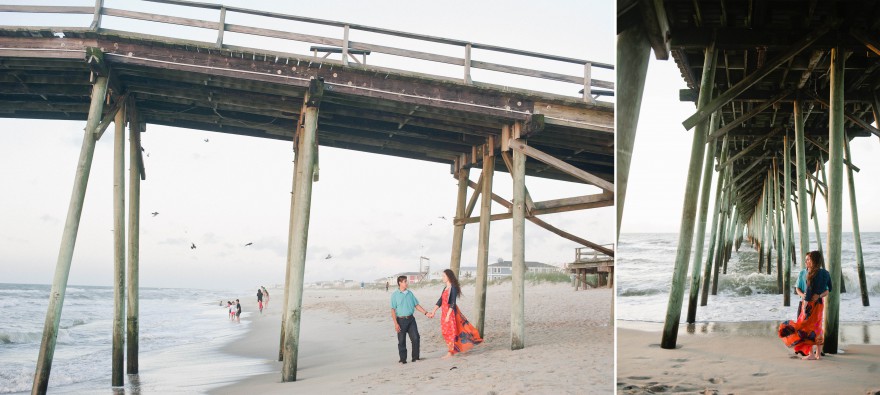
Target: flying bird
column 443, row 218
column 206, row 140
column 248, row 244
column 430, row 224
column 193, row 246
column 328, row 256
column 155, row 213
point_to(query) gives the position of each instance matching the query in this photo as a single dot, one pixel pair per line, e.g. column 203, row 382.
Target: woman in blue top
column 813, row 284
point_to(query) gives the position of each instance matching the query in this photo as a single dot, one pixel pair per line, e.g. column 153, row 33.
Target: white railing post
column 221, row 27
column 345, row 46
column 467, row 64
column 96, row 20
column 588, row 95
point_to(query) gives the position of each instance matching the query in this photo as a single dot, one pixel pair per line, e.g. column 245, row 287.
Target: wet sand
column 724, row 358
column 348, row 345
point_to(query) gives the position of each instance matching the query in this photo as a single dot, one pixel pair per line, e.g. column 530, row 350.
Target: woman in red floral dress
column 459, row 334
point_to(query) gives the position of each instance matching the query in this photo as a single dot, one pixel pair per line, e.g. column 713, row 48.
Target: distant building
column 467, row 272
column 411, row 277
column 503, row 269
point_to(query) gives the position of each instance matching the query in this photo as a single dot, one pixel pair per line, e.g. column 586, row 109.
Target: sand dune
column 348, row 345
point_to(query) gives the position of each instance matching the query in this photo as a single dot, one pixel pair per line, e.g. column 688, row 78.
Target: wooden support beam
column 835, row 197
column 519, row 145
column 110, row 116
column 824, row 149
column 633, row 53
column 689, row 206
column 299, row 228
column 870, row 42
column 723, row 177
column 518, row 259
column 607, row 198
column 860, row 261
column 68, row 240
column 132, row 297
column 496, row 198
column 752, row 146
column 703, row 210
column 749, row 115
column 458, row 231
column 755, row 77
column 530, row 204
column 486, row 197
column 856, row 120
column 472, row 203
column 117, row 378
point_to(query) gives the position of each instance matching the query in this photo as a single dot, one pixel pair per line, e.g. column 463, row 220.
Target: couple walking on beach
column 459, row 334
column 261, row 294
column 806, row 331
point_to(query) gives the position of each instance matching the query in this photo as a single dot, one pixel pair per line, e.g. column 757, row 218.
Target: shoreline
column 737, row 357
column 348, row 344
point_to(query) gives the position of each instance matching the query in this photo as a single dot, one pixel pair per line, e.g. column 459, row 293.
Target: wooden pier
column 589, row 261
column 105, row 76
column 774, row 117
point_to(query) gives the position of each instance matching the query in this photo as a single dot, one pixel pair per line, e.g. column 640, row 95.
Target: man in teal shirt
column 403, row 305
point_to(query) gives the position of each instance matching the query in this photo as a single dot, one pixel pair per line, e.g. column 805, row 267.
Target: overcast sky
column 662, row 151
column 374, row 215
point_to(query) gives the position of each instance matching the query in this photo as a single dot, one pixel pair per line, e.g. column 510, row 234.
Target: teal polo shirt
column 404, row 303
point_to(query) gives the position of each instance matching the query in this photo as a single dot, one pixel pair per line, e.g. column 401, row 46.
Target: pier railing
column 584, row 254
column 591, row 88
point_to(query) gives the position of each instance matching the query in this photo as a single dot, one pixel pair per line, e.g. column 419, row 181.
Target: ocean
column 182, row 332
column 644, row 275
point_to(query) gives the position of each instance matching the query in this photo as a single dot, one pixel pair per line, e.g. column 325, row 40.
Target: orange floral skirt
column 805, row 332
column 459, row 334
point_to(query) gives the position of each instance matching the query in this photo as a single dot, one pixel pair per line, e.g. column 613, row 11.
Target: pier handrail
column 585, row 253
column 585, row 81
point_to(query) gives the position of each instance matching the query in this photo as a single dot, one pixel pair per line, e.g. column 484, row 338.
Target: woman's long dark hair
column 453, row 280
column 818, row 263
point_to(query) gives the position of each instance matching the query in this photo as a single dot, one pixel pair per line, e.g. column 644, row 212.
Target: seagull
column 206, row 140
column 148, row 154
column 248, row 244
column 430, row 224
column 193, row 246
column 328, row 256
column 443, row 218
column 155, row 213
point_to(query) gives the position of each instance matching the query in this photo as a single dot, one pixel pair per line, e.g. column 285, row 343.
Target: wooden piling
column 633, row 51
column 716, row 209
column 801, row 156
column 458, row 230
column 298, row 238
column 68, row 240
column 132, row 309
column 117, row 378
column 722, row 229
column 860, row 261
column 483, row 243
column 708, row 163
column 297, row 148
column 689, row 208
column 835, row 196
column 762, row 223
column 776, row 208
column 816, row 225
column 786, row 182
column 518, row 264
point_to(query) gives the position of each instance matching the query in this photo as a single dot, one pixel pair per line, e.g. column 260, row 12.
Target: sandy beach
column 737, row 358
column 348, row 345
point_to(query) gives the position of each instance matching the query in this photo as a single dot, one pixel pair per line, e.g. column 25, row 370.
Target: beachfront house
column 502, row 269
column 411, row 277
column 467, row 272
